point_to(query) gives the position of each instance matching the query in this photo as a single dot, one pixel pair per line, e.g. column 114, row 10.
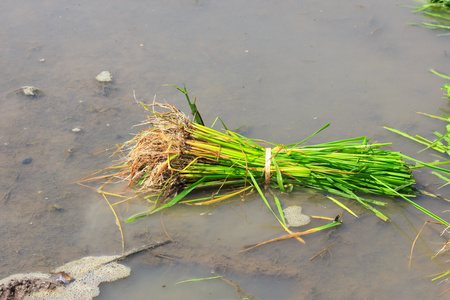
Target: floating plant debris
column 295, row 217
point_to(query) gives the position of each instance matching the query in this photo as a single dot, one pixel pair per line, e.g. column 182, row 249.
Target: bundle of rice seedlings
column 173, row 156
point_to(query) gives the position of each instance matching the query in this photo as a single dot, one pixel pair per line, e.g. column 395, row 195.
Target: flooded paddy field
column 282, row 71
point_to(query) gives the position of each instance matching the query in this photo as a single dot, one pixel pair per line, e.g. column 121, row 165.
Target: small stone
column 104, row 76
column 62, row 278
column 29, row 90
column 27, row 161
column 77, row 129
column 42, row 60
column 55, row 207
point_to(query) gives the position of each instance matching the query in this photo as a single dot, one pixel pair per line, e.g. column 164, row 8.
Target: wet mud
column 17, row 289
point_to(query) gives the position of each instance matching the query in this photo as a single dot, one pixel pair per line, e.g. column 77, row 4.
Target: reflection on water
column 282, row 70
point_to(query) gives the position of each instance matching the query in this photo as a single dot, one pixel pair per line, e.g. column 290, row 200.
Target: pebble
column 29, row 90
column 27, row 161
column 104, row 76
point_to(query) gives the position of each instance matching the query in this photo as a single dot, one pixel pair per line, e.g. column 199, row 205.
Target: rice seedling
column 435, row 5
column 442, row 142
column 439, row 11
column 446, row 86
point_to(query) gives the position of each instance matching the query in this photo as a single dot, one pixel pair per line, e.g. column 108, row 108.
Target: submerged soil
column 224, row 260
column 17, row 289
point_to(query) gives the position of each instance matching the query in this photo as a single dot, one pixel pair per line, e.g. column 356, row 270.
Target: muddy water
column 282, row 69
